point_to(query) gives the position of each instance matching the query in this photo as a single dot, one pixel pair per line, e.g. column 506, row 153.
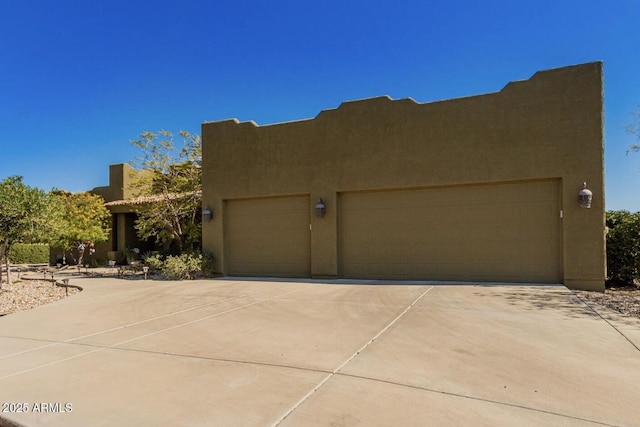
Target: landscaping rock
column 28, row 294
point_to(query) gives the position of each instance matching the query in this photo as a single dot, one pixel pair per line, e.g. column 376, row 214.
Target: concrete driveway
column 262, row 353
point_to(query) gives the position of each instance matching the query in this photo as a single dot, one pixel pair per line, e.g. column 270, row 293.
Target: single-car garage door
column 268, row 237
column 500, row 232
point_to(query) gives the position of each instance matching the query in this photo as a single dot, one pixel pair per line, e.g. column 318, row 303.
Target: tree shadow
column 559, row 300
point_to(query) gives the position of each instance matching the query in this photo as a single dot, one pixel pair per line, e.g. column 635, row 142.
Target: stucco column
column 121, row 231
column 324, row 236
column 213, row 231
column 584, row 239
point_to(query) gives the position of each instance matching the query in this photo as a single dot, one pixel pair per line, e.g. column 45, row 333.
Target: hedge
column 623, row 247
column 22, row 253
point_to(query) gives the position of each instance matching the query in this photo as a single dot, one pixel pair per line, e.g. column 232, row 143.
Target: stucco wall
column 549, row 126
column 123, row 233
column 119, row 188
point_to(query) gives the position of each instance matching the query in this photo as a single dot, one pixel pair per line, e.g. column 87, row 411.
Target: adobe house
column 120, row 200
column 482, row 189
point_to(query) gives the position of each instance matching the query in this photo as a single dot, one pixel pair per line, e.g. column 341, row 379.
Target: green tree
column 171, row 188
column 27, row 215
column 623, row 247
column 85, row 222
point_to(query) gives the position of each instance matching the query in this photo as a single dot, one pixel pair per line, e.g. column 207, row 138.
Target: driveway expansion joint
column 353, row 356
column 479, row 399
column 101, row 348
column 597, row 313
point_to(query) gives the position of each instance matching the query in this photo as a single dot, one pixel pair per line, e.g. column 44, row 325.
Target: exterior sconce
column 321, row 209
column 207, row 214
column 585, row 196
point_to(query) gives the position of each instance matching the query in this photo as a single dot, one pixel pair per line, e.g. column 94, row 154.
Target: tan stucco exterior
column 548, row 128
column 120, row 198
column 121, row 177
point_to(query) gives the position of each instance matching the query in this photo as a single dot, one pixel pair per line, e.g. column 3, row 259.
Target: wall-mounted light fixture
column 585, row 196
column 321, row 209
column 207, row 214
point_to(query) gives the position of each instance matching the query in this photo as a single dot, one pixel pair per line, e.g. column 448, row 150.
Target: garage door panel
column 498, row 232
column 268, row 237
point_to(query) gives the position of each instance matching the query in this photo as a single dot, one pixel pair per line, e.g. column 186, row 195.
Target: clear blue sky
column 80, row 79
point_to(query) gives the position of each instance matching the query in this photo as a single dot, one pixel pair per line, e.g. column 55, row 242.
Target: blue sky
column 80, row 79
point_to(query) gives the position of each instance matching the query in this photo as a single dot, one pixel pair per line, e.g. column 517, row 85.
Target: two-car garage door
column 499, row 232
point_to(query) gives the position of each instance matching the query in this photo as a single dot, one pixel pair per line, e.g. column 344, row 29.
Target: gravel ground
column 625, row 300
column 28, row 294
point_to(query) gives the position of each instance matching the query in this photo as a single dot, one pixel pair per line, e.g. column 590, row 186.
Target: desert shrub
column 208, row 264
column 153, row 261
column 23, row 253
column 181, row 267
column 623, row 247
